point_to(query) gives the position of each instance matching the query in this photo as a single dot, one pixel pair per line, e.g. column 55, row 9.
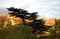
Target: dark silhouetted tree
column 18, row 13
column 33, row 16
column 23, row 14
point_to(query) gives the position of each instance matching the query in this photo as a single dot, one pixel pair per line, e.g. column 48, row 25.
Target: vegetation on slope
column 17, row 32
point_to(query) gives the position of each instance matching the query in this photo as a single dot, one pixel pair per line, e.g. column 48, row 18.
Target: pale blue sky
column 45, row 8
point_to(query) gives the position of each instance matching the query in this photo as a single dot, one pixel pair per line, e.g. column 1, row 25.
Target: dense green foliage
column 17, row 32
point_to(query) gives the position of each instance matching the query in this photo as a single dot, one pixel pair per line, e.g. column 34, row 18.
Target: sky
column 45, row 8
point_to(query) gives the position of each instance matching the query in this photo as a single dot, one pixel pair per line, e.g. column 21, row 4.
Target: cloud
column 45, row 8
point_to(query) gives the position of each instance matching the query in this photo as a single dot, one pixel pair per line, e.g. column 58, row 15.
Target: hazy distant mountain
column 3, row 11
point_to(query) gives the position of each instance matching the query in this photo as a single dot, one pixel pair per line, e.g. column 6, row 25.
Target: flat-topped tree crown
column 15, row 9
column 18, row 12
column 33, row 16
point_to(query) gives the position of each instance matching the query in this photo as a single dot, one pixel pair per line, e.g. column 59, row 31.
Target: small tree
column 57, row 28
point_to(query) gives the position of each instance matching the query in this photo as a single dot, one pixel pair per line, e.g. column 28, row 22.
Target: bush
column 17, row 32
column 55, row 33
column 2, row 20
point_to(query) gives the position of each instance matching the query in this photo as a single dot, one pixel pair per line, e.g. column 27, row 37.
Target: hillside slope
column 13, row 20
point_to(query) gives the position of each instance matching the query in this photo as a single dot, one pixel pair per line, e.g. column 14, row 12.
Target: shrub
column 2, row 20
column 55, row 33
column 17, row 32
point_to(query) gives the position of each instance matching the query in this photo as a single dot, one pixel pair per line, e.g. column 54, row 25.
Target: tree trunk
column 23, row 22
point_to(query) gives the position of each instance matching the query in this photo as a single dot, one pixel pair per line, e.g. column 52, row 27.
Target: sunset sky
column 45, row 8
